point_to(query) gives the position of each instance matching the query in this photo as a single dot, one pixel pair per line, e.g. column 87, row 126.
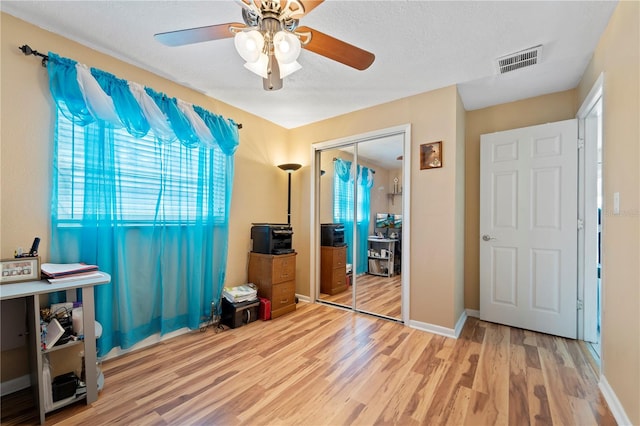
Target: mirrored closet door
column 336, row 249
column 360, row 213
column 379, row 227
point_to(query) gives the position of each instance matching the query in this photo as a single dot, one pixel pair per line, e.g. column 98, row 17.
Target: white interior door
column 528, row 227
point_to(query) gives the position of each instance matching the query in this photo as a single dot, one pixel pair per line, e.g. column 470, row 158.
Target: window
column 343, row 201
column 152, row 181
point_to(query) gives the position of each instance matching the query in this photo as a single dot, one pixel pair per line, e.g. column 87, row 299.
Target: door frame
column 588, row 196
column 314, row 217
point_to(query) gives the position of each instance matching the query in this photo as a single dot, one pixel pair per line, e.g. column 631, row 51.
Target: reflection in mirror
column 336, row 257
column 371, row 266
column 378, row 282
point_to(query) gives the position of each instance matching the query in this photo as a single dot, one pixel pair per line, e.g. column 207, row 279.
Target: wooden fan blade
column 197, row 35
column 338, row 50
column 309, row 5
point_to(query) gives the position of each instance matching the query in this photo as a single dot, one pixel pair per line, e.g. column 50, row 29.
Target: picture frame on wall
column 19, row 269
column 431, row 155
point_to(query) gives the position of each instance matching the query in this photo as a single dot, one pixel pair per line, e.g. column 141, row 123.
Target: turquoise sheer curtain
column 141, row 187
column 343, row 201
column 365, row 183
column 343, row 208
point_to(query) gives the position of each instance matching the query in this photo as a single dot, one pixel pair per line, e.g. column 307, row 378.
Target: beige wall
column 617, row 56
column 460, row 209
column 436, row 203
column 433, row 117
column 259, row 188
column 394, row 203
column 528, row 112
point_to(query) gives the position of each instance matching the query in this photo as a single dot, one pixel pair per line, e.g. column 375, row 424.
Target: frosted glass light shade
column 287, row 69
column 259, row 66
column 249, row 45
column 286, row 47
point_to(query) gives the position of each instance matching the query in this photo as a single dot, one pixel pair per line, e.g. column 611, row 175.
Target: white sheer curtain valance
column 89, row 94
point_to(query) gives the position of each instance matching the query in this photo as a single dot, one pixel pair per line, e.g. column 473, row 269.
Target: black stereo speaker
column 237, row 314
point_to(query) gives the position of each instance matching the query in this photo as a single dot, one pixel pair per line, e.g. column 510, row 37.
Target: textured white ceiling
column 419, row 46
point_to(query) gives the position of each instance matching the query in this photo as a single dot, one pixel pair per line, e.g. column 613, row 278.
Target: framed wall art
column 431, row 155
column 19, row 269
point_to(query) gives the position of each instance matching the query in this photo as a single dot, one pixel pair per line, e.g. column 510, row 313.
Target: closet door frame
column 314, row 217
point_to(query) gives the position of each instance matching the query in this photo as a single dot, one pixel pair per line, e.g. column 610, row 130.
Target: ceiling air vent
column 521, row 59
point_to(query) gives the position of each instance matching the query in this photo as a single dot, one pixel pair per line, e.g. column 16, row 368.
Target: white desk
column 31, row 290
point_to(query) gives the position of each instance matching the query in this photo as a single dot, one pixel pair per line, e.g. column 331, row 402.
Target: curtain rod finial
column 27, row 50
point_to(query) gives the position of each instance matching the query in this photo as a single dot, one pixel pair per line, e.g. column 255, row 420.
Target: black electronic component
column 34, row 247
column 332, row 234
column 235, row 315
column 272, row 238
column 64, row 386
column 33, row 252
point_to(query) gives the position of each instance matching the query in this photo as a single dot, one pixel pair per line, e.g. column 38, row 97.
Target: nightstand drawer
column 275, row 276
column 283, row 298
column 339, row 257
column 339, row 278
column 283, row 294
column 284, row 269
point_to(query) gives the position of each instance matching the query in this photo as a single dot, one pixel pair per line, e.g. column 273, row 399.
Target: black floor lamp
column 289, row 168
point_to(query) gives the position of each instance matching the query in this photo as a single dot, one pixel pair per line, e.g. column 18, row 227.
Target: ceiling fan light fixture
column 249, row 45
column 286, row 47
column 288, row 69
column 259, row 66
column 270, row 40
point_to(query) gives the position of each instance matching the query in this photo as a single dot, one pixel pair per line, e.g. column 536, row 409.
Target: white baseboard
column 157, row 338
column 14, row 385
column 614, row 403
column 442, row 331
column 303, row 298
column 473, row 313
column 460, row 323
column 151, row 340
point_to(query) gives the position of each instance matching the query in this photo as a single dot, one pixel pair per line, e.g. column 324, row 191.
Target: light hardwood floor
column 325, row 366
column 376, row 294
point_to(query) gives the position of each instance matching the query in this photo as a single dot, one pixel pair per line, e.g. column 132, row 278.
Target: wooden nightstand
column 275, row 276
column 333, row 269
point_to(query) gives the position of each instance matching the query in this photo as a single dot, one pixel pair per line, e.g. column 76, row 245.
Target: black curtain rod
column 29, row 51
column 372, row 171
column 45, row 58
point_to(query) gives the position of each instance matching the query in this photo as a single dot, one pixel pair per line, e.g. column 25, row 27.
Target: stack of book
column 67, row 272
column 241, row 293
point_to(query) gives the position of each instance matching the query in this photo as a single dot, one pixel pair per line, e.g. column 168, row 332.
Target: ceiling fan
column 270, row 39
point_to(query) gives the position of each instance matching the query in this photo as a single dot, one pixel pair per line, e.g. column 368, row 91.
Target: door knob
column 486, row 237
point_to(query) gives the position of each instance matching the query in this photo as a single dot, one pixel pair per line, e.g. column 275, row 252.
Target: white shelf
column 63, row 346
column 64, row 402
column 30, row 288
column 381, row 265
column 31, row 291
